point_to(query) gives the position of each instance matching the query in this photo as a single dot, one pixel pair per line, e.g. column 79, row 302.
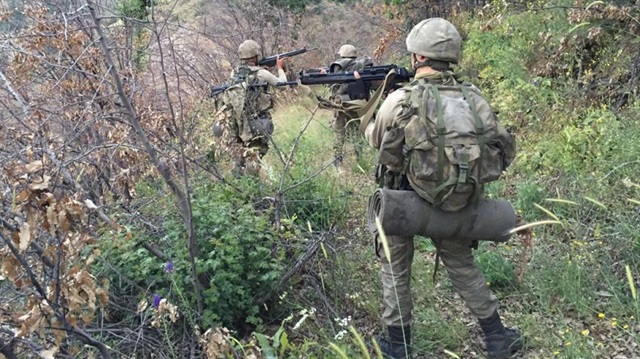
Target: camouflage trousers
column 345, row 129
column 247, row 155
column 458, row 261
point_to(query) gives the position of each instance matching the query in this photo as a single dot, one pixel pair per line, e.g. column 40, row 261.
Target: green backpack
column 243, row 102
column 452, row 144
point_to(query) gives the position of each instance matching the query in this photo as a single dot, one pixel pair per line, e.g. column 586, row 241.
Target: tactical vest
column 444, row 143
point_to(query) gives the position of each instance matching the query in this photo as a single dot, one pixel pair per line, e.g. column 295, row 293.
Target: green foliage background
column 560, row 76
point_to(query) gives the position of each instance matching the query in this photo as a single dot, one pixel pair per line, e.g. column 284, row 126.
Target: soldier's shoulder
column 341, row 64
column 471, row 87
column 397, row 96
column 474, row 89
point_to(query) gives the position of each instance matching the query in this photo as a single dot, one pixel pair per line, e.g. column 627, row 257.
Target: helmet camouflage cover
column 347, row 51
column 249, row 49
column 437, row 39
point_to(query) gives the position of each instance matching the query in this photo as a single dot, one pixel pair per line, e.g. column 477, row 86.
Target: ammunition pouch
column 391, row 180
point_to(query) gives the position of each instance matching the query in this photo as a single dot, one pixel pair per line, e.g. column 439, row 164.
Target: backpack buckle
column 464, row 170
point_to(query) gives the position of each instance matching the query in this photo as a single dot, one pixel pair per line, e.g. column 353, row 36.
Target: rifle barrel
column 270, row 61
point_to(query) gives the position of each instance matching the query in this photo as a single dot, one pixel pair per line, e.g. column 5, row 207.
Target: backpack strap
column 480, row 133
column 440, row 128
column 240, row 74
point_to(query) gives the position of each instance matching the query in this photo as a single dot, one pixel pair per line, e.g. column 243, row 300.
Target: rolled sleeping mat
column 405, row 213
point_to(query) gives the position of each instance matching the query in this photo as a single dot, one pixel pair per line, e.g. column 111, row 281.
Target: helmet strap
column 434, row 64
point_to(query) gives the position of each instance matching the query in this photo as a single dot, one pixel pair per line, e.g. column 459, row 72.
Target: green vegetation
column 567, row 289
column 284, row 262
column 239, row 259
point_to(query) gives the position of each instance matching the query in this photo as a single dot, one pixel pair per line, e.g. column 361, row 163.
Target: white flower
column 340, row 335
column 299, row 323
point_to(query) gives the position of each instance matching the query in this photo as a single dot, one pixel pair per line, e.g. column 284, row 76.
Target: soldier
column 434, row 44
column 343, row 123
column 248, row 104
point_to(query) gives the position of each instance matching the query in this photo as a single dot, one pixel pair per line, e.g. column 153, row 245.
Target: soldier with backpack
column 439, row 138
column 245, row 107
column 342, row 123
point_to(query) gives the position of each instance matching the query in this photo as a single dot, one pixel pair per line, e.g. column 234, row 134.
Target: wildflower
column 557, row 352
column 156, row 301
column 169, row 267
column 585, row 332
column 340, row 335
column 344, row 322
column 305, row 314
column 567, row 344
column 601, row 315
column 626, row 326
column 302, row 319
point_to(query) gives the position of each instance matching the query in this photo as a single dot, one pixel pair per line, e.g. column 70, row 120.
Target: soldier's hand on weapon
column 356, row 74
column 281, row 62
column 323, row 70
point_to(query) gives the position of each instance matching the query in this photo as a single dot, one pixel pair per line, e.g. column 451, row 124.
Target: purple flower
column 169, row 267
column 156, row 301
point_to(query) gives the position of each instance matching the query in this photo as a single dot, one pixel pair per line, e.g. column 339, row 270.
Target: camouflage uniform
column 344, row 123
column 437, row 41
column 456, row 255
column 249, row 125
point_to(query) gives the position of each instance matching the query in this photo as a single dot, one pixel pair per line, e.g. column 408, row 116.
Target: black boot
column 398, row 345
column 501, row 342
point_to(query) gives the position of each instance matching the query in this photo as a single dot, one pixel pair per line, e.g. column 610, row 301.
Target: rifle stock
column 270, row 61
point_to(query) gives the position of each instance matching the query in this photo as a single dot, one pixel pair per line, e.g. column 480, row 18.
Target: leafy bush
column 239, row 258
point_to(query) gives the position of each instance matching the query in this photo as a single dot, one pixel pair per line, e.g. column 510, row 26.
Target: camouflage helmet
column 347, row 51
column 437, row 39
column 249, row 49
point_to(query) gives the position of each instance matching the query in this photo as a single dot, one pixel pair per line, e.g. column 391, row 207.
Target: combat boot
column 397, row 345
column 501, row 342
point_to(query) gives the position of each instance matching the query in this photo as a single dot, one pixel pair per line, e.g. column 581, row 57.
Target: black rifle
column 372, row 73
column 270, row 61
column 314, row 77
column 216, row 90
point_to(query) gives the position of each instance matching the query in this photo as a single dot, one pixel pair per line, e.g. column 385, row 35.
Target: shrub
column 239, row 258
